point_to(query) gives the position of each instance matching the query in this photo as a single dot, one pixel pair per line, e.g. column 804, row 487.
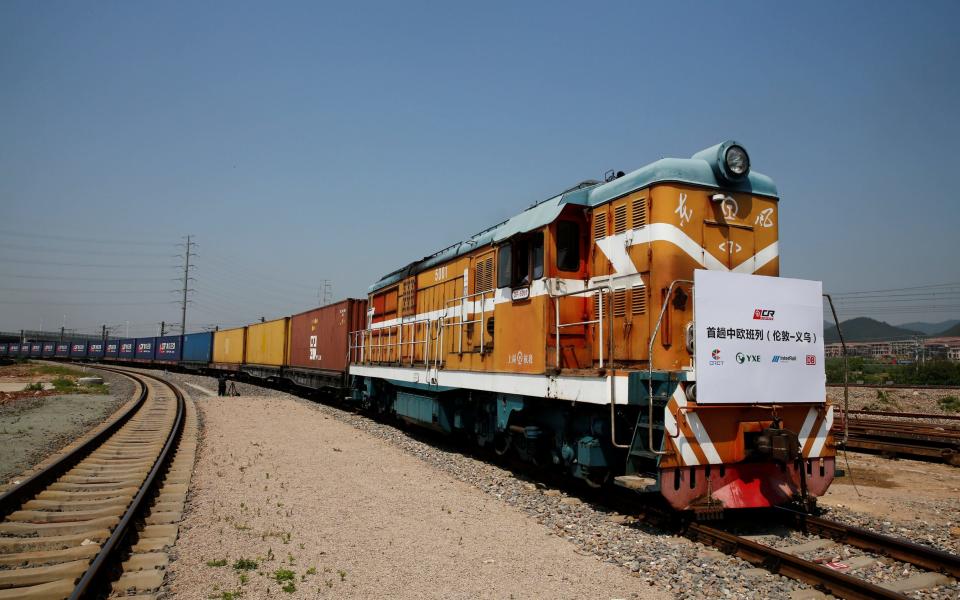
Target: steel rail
column 895, row 548
column 823, row 578
column 113, row 544
column 15, row 497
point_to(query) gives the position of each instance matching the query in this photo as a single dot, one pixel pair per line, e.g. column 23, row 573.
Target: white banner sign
column 758, row 339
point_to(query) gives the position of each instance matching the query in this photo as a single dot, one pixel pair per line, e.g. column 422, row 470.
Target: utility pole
column 163, row 328
column 61, row 334
column 326, row 293
column 103, row 333
column 186, row 284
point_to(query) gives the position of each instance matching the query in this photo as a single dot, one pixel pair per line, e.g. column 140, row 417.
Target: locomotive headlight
column 737, row 161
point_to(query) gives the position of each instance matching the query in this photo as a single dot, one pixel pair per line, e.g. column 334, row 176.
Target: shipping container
column 13, row 350
column 95, row 350
column 319, row 338
column 25, row 350
column 198, row 347
column 36, row 349
column 128, row 349
column 228, row 346
column 112, row 350
column 63, row 350
column 169, row 348
column 49, row 349
column 78, row 349
column 267, row 343
column 3, row 349
column 146, row 348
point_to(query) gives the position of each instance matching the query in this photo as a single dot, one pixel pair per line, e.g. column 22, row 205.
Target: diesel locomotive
column 567, row 336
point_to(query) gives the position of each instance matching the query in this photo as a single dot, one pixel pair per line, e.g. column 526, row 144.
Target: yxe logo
column 745, row 358
column 763, row 314
column 715, row 358
column 780, row 358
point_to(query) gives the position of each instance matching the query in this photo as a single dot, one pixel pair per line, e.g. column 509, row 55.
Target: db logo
column 763, row 314
column 811, row 359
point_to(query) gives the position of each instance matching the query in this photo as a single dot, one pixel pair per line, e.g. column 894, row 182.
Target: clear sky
column 302, row 141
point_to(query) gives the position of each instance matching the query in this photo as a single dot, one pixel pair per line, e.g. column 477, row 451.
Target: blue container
column 146, row 348
column 198, row 347
column 95, row 350
column 36, row 349
column 112, row 349
column 169, row 348
column 62, row 350
column 3, row 349
column 78, row 349
column 49, row 348
column 128, row 349
column 13, row 349
column 24, row 350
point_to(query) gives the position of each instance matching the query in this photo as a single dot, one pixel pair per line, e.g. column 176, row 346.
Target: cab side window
column 568, row 246
column 521, row 261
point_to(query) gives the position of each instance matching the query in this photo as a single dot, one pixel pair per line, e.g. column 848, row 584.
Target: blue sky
column 302, row 141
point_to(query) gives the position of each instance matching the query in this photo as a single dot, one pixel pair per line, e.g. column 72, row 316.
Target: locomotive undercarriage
column 576, row 439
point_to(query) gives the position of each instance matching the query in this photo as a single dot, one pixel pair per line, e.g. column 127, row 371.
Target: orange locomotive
column 566, row 335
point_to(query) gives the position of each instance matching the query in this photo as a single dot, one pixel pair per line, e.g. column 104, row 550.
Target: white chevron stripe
column 821, row 438
column 699, row 431
column 807, row 427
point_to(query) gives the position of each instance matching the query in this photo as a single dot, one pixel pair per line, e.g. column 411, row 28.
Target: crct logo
column 811, row 359
column 715, row 357
column 747, row 358
column 763, row 314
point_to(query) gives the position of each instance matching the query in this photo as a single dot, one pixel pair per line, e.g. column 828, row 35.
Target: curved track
column 65, row 526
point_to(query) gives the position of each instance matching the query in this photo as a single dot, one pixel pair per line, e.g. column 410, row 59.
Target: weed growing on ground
column 289, row 588
column 33, row 387
column 342, row 574
column 245, row 564
column 312, row 571
column 949, row 404
column 220, row 562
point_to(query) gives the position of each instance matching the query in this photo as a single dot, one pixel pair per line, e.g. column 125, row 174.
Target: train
column 633, row 331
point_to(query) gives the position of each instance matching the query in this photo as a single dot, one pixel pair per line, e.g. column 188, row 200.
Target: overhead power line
column 85, row 240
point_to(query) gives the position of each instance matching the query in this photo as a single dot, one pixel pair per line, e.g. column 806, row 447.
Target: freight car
column 632, row 330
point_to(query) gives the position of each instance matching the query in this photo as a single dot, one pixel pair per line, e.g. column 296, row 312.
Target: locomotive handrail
column 653, row 337
column 359, row 340
column 461, row 313
column 603, row 289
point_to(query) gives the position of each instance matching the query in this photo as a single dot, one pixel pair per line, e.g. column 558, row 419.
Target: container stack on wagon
column 228, row 349
column 309, row 349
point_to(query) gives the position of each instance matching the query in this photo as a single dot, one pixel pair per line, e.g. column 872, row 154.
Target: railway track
column 913, row 435
column 67, row 528
column 839, row 578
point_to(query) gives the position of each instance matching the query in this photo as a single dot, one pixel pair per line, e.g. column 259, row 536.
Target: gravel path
column 334, row 512
column 675, row 565
column 33, row 429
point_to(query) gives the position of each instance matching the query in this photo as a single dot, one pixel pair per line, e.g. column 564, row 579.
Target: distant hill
column 864, row 329
column 951, row 332
column 930, row 328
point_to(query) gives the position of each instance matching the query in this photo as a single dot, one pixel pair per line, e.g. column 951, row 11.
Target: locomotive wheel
column 502, row 443
column 598, row 479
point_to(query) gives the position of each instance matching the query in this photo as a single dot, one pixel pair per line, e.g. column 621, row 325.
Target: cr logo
column 730, row 208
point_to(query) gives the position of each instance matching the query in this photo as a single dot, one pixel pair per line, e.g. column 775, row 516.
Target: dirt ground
column 32, row 428
column 897, row 489
column 330, row 511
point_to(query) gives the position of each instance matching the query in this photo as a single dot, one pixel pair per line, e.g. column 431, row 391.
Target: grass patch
column 949, row 404
column 33, row 387
column 63, row 384
column 282, row 575
column 56, row 370
column 289, row 588
column 222, row 562
column 245, row 564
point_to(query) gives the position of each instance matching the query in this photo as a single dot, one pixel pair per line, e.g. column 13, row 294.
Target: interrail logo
column 763, row 314
column 780, row 358
column 715, row 357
